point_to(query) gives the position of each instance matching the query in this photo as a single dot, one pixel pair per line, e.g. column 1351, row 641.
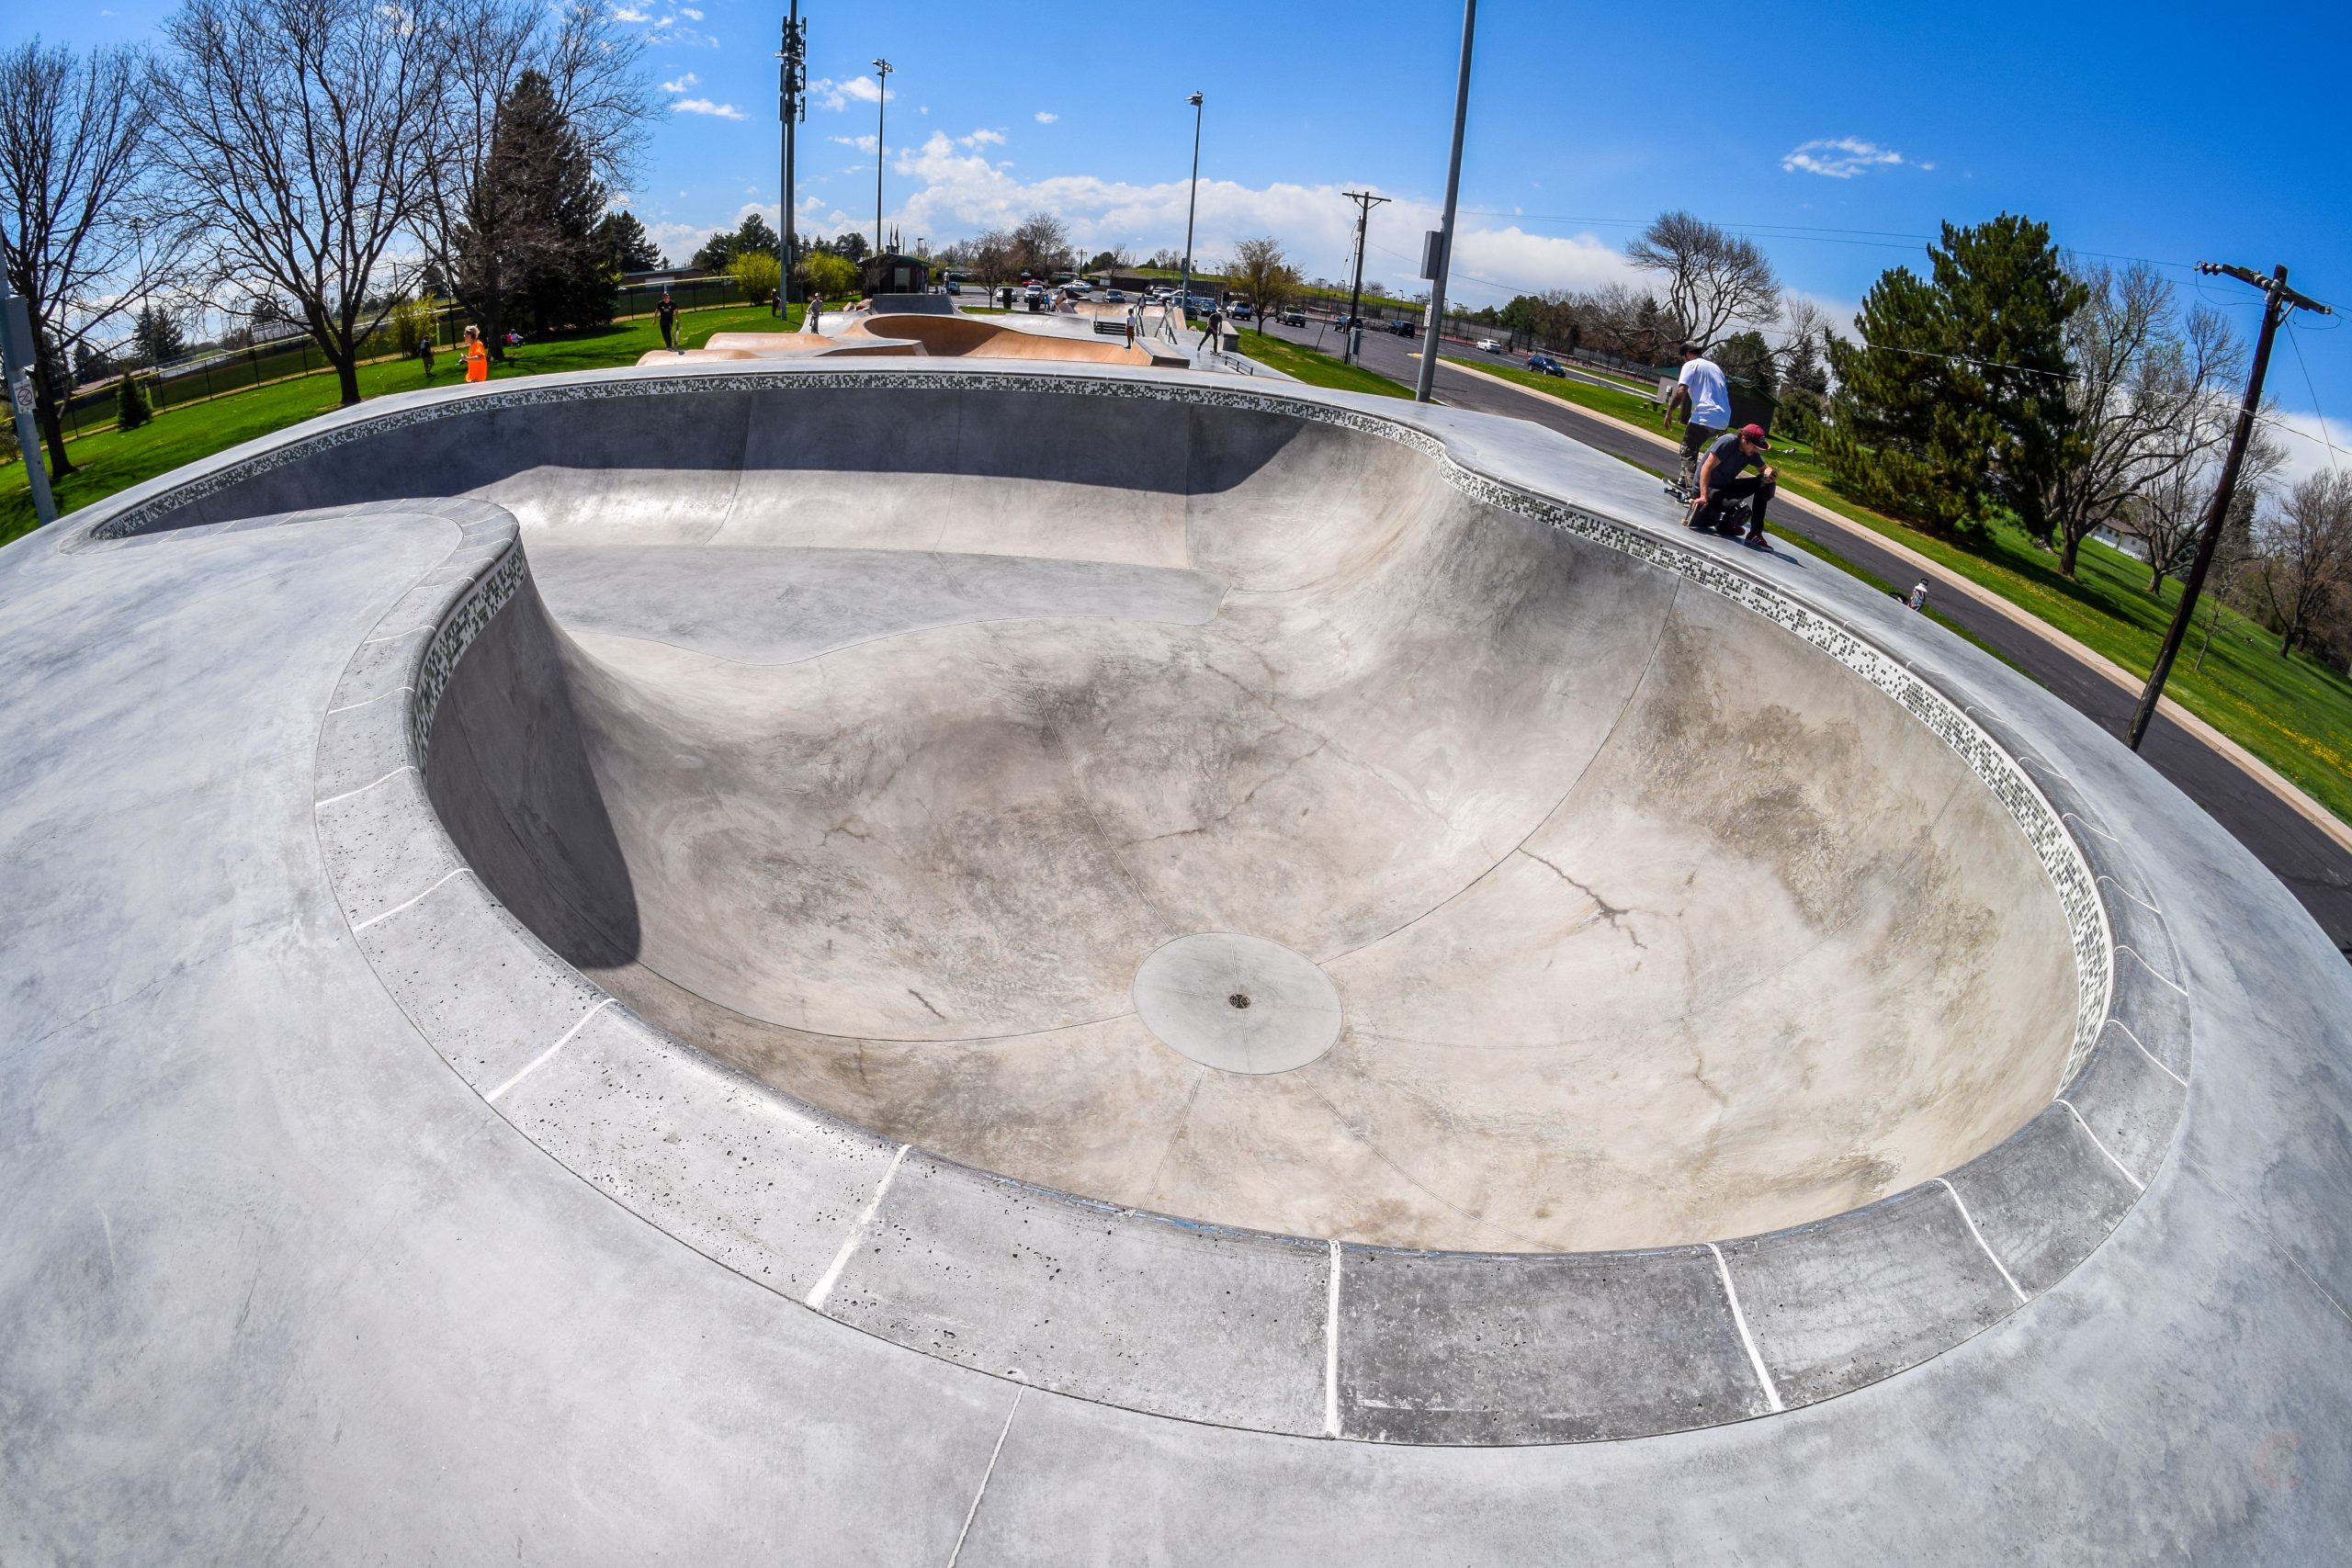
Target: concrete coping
column 1281, row 1334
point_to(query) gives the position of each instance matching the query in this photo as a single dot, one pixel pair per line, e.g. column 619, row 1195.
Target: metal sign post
column 17, row 344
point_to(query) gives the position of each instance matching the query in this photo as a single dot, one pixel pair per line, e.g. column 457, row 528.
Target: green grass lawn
column 2294, row 713
column 109, row 461
column 1317, row 369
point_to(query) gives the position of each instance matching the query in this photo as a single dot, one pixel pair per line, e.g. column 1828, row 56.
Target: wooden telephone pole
column 1365, row 202
column 2277, row 301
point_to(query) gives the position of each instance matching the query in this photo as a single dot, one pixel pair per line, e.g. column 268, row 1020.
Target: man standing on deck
column 667, row 313
column 1703, row 398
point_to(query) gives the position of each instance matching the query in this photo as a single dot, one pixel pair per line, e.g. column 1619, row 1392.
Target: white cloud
column 2305, row 437
column 863, row 143
column 690, row 14
column 704, row 106
column 630, row 13
column 828, row 94
column 683, row 83
column 1046, row 117
column 982, row 137
column 1841, row 158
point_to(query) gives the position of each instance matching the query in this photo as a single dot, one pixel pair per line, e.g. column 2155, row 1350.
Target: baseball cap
column 1756, row 432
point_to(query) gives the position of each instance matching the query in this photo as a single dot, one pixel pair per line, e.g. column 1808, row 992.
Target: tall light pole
column 20, row 348
column 1191, row 203
column 1430, row 339
column 882, row 69
column 791, row 77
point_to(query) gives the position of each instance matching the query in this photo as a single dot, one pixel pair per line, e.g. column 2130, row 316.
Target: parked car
column 1489, row 346
column 1294, row 319
column 1115, row 296
column 1544, row 363
column 1238, row 310
column 1401, row 327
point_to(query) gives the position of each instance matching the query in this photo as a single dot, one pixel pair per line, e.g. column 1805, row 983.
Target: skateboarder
column 668, row 314
column 1721, row 482
column 1703, row 397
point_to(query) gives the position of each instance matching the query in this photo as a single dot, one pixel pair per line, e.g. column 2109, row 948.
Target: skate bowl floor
column 1565, row 905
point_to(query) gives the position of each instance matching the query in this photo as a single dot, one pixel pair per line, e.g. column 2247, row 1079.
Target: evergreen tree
column 755, row 235
column 1744, row 356
column 131, row 409
column 529, row 254
column 1805, row 369
column 1900, row 436
column 1956, row 395
column 158, row 337
column 622, row 240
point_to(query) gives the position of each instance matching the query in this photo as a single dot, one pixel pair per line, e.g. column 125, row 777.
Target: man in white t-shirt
column 1703, row 398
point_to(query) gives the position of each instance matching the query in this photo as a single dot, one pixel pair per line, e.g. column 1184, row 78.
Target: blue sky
column 1840, row 134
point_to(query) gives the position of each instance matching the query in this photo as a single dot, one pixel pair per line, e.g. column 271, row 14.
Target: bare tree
column 2168, row 514
column 300, row 137
column 2150, row 406
column 72, row 154
column 1041, row 245
column 2305, row 555
column 1713, row 277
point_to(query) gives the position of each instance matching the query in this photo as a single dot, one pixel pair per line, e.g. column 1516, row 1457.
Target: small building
column 890, row 273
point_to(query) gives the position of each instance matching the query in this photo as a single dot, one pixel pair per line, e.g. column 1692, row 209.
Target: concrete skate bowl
column 1202, row 901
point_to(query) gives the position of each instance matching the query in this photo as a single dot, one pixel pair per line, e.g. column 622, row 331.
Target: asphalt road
column 2313, row 866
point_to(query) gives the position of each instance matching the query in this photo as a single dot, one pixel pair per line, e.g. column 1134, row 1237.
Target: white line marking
column 2074, row 817
column 379, row 697
column 823, row 1290
column 2128, row 894
column 544, row 1058
column 1739, row 1321
column 363, row 925
column 2137, row 1185
column 2119, row 1023
column 363, row 789
column 1331, row 1351
column 1969, row 1220
column 2151, row 969
column 974, row 1513
column 394, row 636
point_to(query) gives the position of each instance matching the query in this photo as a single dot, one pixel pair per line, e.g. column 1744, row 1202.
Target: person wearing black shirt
column 668, row 312
column 1721, row 481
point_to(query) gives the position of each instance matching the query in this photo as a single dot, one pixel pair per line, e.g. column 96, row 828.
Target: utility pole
column 882, row 69
column 1365, row 202
column 20, row 347
column 791, row 82
column 1191, row 204
column 2277, row 301
column 1429, row 340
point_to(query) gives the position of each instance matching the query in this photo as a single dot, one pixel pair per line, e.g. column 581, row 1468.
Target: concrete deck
column 349, row 1222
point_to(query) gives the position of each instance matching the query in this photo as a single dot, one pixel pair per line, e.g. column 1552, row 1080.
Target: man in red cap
column 1721, row 481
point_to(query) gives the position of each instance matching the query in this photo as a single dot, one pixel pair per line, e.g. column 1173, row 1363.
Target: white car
column 1489, row 346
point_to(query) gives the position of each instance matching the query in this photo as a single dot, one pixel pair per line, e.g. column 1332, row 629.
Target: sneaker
column 1756, row 541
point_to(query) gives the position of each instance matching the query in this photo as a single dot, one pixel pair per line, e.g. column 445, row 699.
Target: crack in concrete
column 1603, row 908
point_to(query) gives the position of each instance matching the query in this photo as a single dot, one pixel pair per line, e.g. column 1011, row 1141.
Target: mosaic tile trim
column 456, row 633
column 2061, row 859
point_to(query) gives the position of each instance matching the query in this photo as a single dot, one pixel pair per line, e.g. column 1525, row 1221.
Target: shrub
column 758, row 275
column 821, row 272
column 131, row 406
column 412, row 323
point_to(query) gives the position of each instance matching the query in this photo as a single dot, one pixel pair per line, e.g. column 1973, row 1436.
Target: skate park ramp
column 917, row 334
column 1217, row 812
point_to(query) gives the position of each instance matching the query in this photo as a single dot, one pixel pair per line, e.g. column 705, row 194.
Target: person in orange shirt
column 477, row 356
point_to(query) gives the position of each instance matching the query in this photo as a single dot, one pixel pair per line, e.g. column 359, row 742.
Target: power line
column 2312, row 388
column 1365, row 202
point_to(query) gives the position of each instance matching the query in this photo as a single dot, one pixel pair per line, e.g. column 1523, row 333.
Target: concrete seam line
column 2119, row 1023
column 1001, row 1433
column 819, row 1293
column 349, row 707
column 1970, row 1221
column 363, row 789
column 2137, row 1185
column 2128, row 894
column 2122, row 947
column 1331, row 1349
column 544, row 1058
column 1747, row 1340
column 392, row 637
column 2078, row 817
column 387, row 914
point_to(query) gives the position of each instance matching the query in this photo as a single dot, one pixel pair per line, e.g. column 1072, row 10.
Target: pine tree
column 622, row 240
column 529, row 254
column 1900, row 436
column 1956, row 395
column 158, row 337
column 131, row 409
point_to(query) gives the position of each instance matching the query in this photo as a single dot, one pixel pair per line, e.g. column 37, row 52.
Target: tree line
column 313, row 164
